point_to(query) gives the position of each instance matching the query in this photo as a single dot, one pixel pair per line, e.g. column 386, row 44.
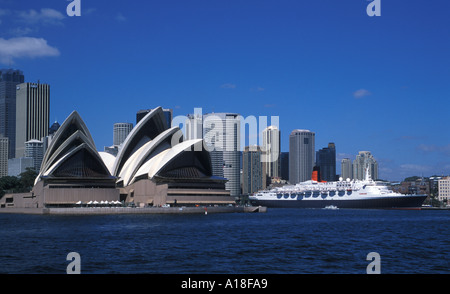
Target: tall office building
column 9, row 79
column 48, row 139
column 346, row 169
column 168, row 114
column 284, row 163
column 35, row 149
column 32, row 114
column 365, row 160
column 326, row 161
column 194, row 126
column 301, row 155
column 221, row 133
column 253, row 170
column 271, row 151
column 53, row 128
column 120, row 133
column 4, row 146
column 16, row 166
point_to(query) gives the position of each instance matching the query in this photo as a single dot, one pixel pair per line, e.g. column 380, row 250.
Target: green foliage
column 412, row 179
column 23, row 183
column 27, row 178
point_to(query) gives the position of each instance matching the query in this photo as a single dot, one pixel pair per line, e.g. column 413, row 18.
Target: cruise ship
column 347, row 193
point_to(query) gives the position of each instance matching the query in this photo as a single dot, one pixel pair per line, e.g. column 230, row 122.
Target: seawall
column 134, row 210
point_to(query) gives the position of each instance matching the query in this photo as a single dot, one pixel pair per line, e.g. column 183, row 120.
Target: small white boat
column 331, row 207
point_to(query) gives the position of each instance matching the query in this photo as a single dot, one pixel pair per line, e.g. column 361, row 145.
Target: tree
column 23, row 183
column 27, row 178
column 8, row 183
column 412, row 179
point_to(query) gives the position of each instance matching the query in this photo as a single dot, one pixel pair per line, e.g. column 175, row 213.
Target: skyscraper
column 346, row 169
column 120, row 132
column 253, row 170
column 301, row 155
column 168, row 114
column 53, row 128
column 9, row 78
column 48, row 139
column 32, row 114
column 271, row 151
column 221, row 133
column 16, row 166
column 365, row 160
column 326, row 161
column 284, row 163
column 194, row 126
column 3, row 156
column 35, row 149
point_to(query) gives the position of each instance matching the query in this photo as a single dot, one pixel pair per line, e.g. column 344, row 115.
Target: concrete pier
column 135, row 210
column 435, row 208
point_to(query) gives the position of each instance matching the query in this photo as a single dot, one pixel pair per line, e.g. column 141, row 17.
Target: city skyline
column 365, row 83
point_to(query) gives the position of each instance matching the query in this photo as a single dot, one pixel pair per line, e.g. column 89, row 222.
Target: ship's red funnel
column 316, row 175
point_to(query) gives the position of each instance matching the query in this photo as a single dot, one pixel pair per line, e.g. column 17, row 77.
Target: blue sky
column 377, row 83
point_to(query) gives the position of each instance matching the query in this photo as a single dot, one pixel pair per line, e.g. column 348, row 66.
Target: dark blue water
column 280, row 241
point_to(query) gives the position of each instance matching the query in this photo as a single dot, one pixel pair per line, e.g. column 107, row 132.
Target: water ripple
column 279, row 241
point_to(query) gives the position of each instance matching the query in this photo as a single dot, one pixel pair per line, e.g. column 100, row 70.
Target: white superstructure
column 349, row 193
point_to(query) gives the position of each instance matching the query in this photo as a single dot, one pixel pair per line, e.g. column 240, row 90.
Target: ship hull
column 412, row 201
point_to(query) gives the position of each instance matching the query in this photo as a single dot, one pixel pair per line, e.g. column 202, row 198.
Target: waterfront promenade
column 135, row 210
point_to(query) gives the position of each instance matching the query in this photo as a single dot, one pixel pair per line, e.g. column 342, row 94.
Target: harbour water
column 281, row 241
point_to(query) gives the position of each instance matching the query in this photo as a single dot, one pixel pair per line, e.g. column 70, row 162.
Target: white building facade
column 365, row 160
column 444, row 189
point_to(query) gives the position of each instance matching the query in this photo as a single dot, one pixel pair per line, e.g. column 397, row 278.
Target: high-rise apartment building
column 221, row 134
column 326, row 161
column 271, row 151
column 32, row 114
column 4, row 146
column 363, row 161
column 346, row 169
column 301, row 155
column 9, row 79
column 253, row 170
column 120, row 132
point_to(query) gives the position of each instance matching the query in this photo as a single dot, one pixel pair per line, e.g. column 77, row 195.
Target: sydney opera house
column 153, row 167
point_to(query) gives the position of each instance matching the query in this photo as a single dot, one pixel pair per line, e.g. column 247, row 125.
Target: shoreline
column 434, row 208
column 150, row 210
column 134, row 210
